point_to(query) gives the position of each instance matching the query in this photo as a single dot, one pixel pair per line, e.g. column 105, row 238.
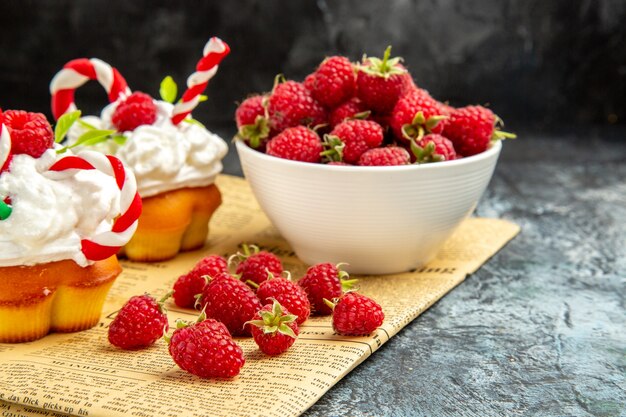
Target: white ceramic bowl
column 379, row 220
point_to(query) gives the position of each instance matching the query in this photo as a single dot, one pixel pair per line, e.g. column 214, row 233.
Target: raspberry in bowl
column 381, row 190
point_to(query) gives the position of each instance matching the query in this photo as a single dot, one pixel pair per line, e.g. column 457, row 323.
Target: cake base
column 171, row 222
column 54, row 297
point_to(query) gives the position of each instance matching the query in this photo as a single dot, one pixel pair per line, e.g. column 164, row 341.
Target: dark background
column 539, row 64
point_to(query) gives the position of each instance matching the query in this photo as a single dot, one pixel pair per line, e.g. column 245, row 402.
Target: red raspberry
column 255, row 265
column 296, row 143
column 289, row 294
column 380, row 82
column 206, row 349
column 324, row 280
column 291, row 104
column 230, row 301
column 309, row 82
column 471, row 129
column 192, row 283
column 138, row 109
column 249, row 110
column 31, row 134
column 390, row 155
column 333, row 81
column 350, row 139
column 274, row 329
column 139, row 323
column 433, row 148
column 252, row 122
column 406, row 121
column 356, row 315
column 345, row 111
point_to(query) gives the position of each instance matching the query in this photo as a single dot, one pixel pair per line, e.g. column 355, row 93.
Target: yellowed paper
column 82, row 374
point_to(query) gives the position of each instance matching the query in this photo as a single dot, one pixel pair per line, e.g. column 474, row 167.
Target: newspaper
column 82, row 374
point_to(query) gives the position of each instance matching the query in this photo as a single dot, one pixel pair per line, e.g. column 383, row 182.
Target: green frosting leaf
column 168, row 89
column 63, row 125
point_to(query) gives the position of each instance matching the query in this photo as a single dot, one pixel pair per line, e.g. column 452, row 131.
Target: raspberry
column 249, row 110
column 416, row 113
column 333, row 81
column 252, row 122
column 355, row 315
column 380, row 82
column 433, row 148
column 31, row 134
column 274, row 329
column 345, row 111
column 350, row 139
column 255, row 265
column 390, row 155
column 206, row 349
column 139, row 323
column 191, row 284
column 291, row 104
column 138, row 109
column 230, row 301
column 289, row 294
column 296, row 143
column 324, row 280
column 471, row 129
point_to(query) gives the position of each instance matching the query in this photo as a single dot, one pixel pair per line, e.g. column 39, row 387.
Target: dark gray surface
column 540, row 328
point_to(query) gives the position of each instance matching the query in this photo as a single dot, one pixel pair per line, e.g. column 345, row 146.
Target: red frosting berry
column 291, row 104
column 138, row 109
column 230, row 301
column 296, row 143
column 289, row 294
column 334, row 81
column 31, row 133
column 416, row 113
column 206, row 349
column 140, row 323
column 380, row 82
column 390, row 155
column 324, row 280
column 274, row 329
column 188, row 286
column 355, row 315
column 472, row 128
column 350, row 139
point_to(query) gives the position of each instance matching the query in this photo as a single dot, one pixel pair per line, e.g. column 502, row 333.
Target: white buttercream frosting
column 50, row 216
column 163, row 156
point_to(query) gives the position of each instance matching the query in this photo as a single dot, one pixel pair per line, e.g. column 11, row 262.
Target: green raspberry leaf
column 63, row 125
column 168, row 89
column 202, row 98
column 89, row 138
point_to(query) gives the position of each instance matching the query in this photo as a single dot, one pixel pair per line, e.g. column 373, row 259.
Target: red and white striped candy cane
column 214, row 51
column 76, row 73
column 5, row 145
column 105, row 244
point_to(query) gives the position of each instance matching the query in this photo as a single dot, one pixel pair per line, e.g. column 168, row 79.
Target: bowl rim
column 493, row 150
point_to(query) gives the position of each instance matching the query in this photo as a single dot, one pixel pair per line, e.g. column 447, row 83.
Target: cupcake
column 175, row 159
column 63, row 217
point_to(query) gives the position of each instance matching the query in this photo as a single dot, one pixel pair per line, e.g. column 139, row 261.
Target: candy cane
column 5, row 145
column 214, row 51
column 5, row 154
column 105, row 244
column 76, row 73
